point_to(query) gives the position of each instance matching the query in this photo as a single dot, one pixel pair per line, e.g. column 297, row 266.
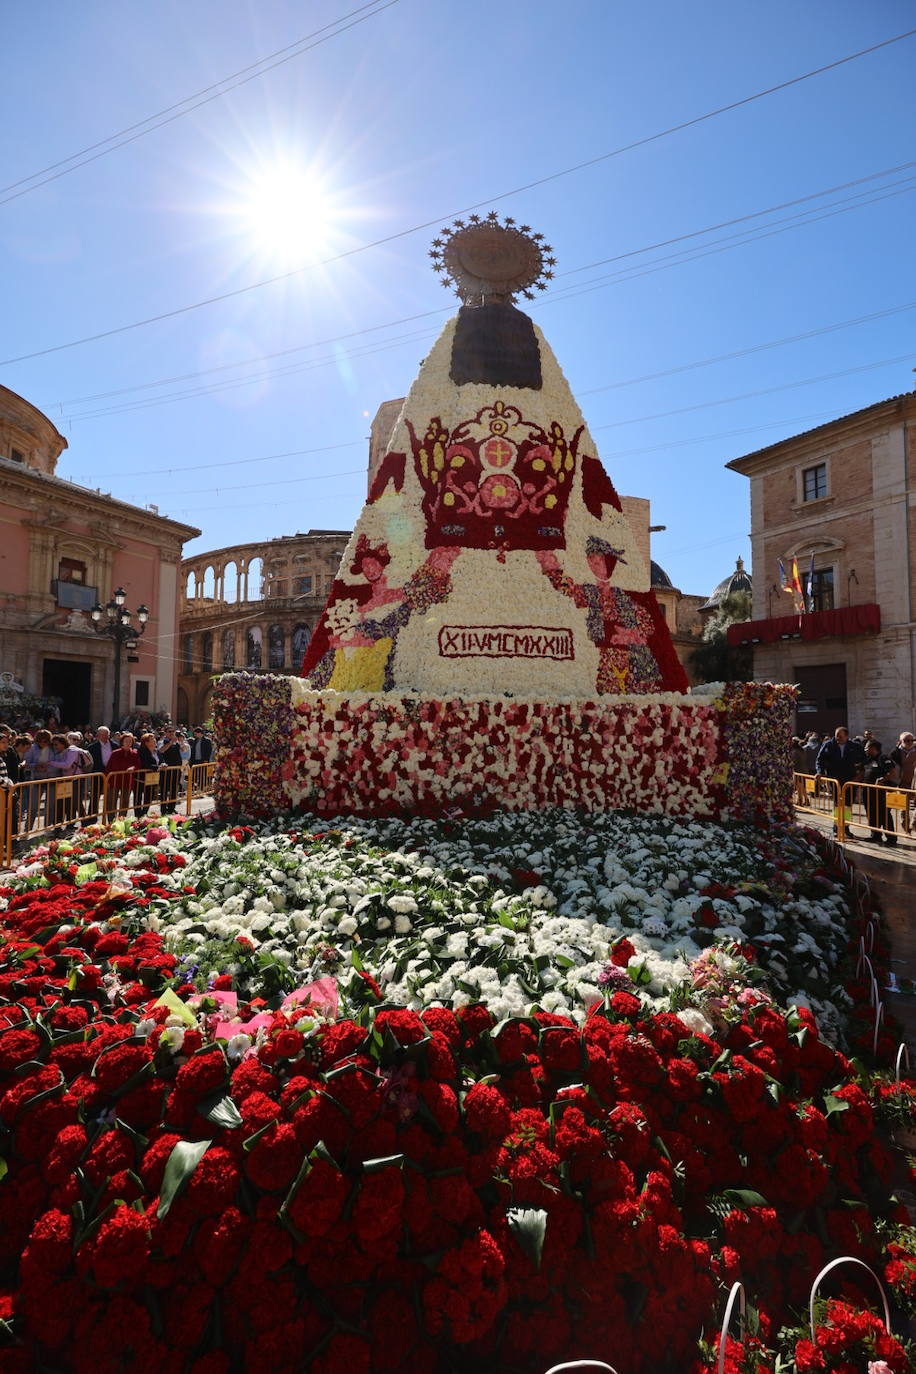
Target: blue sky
column 411, row 114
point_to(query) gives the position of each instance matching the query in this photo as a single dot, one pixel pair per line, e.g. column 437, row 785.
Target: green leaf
column 182, row 1162
column 178, row 1008
column 640, row 975
column 529, row 1227
column 372, row 1166
column 85, row 873
column 834, row 1104
column 4, row 1168
column 563, row 961
column 746, row 1197
column 221, row 1111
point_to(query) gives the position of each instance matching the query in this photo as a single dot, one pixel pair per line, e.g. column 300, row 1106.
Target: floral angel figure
column 622, row 624
column 354, row 647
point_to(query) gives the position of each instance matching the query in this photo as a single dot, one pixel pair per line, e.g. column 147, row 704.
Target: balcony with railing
column 839, row 623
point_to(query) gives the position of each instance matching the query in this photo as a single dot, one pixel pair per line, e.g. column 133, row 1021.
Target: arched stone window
column 190, row 590
column 187, row 654
column 301, row 636
column 255, row 574
column 276, row 647
column 254, row 641
column 228, row 648
column 231, row 582
column 206, row 651
column 209, row 584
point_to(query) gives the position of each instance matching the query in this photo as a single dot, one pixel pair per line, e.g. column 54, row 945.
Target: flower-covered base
column 388, row 753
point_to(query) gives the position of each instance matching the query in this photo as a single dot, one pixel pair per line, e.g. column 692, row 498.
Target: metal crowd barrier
column 820, row 795
column 30, row 810
column 887, row 811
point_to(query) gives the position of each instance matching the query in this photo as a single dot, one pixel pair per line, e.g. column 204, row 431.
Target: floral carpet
column 475, row 1093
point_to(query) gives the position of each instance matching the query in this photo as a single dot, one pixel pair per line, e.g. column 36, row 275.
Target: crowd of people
column 69, row 770
column 862, row 759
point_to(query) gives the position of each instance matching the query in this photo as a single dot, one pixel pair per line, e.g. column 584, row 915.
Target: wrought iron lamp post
column 117, row 625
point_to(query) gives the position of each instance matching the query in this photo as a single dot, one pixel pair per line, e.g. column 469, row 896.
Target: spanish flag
column 797, row 588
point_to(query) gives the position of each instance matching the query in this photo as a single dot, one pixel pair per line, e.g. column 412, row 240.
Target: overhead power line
column 639, row 419
column 490, row 200
column 750, row 395
column 754, row 348
column 342, row 338
column 193, row 102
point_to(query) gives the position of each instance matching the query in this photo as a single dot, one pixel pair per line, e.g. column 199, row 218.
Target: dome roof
column 737, row 581
column 658, row 577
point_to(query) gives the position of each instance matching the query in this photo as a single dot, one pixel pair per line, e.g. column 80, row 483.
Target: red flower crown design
column 495, row 481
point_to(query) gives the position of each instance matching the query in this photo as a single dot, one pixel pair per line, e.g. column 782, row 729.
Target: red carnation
column 64, row 1154
column 214, row 1182
column 275, row 1159
column 219, row 1245
column 442, row 1020
column 475, row 1019
column 119, row 1251
column 622, row 952
column 625, row 1004
column 117, row 1066
column 49, row 1247
column 340, row 1041
column 486, row 1111
column 202, row 1075
column 405, row 1026
column 17, row 1047
column 343, row 1355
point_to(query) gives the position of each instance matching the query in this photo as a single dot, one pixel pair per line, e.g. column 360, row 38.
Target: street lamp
column 117, row 625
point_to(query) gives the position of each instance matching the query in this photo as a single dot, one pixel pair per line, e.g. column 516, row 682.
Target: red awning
column 846, row 620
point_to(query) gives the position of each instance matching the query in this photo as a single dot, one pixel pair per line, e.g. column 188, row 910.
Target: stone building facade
column 63, row 547
column 251, row 606
column 840, row 496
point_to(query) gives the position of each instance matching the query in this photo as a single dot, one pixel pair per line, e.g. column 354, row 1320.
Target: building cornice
column 845, row 430
column 42, row 484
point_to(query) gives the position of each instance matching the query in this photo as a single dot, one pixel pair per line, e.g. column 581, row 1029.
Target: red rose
column 289, row 1043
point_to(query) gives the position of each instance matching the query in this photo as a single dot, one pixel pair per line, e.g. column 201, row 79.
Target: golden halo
column 491, row 259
